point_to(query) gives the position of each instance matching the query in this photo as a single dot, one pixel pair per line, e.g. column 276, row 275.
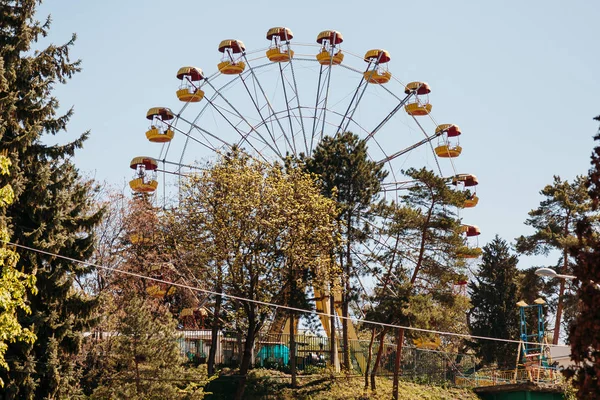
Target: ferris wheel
column 282, row 99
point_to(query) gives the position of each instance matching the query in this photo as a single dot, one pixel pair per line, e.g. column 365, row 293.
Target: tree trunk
column 400, row 340
column 212, row 353
column 370, row 354
column 247, row 356
column 561, row 293
column 335, row 362
column 559, row 310
column 345, row 322
column 378, row 358
column 346, row 297
column 293, row 349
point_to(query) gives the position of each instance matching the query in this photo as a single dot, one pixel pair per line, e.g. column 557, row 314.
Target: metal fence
column 313, row 354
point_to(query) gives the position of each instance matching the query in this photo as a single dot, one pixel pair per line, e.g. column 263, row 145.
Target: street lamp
column 550, row 273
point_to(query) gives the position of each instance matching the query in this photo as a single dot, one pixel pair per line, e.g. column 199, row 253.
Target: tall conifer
column 52, row 208
column 494, row 296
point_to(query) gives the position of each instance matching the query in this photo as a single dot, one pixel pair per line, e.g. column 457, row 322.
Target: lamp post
column 550, row 273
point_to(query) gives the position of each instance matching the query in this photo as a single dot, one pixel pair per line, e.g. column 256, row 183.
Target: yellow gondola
column 325, row 58
column 467, row 180
column 419, row 103
column 469, row 251
column 471, row 202
column 280, row 51
column 446, row 151
column 141, row 182
column 188, row 91
column 329, row 40
column 140, row 186
column 231, row 64
column 160, row 131
column 155, row 135
column 417, row 109
column 378, row 75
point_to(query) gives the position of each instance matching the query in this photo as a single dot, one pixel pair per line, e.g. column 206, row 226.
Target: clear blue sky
column 517, row 76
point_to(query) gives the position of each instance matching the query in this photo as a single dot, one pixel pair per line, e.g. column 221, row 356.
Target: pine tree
column 430, row 235
column 52, row 208
column 349, row 177
column 143, row 360
column 493, row 298
column 554, row 223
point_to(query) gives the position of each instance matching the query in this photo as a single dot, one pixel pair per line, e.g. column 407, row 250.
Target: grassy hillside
column 273, row 385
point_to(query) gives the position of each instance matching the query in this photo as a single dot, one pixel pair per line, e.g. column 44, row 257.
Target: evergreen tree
column 554, row 223
column 430, row 236
column 52, row 204
column 584, row 335
column 493, row 298
column 349, row 177
column 143, row 360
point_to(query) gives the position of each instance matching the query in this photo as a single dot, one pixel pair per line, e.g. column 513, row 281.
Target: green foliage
column 348, row 176
column 14, row 285
column 584, row 335
column 554, row 222
column 256, row 223
column 142, row 360
column 493, row 297
column 346, row 173
column 425, row 235
column 51, row 208
column 266, row 385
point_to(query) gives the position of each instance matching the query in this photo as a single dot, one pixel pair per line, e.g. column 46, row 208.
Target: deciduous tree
column 256, row 223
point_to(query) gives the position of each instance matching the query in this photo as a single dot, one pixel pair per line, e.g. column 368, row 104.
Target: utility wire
column 264, row 303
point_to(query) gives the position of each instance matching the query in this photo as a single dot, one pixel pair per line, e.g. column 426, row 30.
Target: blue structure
column 533, row 341
column 274, row 353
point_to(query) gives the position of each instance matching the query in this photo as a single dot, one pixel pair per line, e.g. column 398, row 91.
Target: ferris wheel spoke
column 428, row 139
column 410, row 148
column 244, row 135
column 269, row 105
column 258, row 110
column 325, row 100
column 299, row 108
column 287, row 106
column 317, row 103
column 389, row 116
column 203, row 131
column 352, row 106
